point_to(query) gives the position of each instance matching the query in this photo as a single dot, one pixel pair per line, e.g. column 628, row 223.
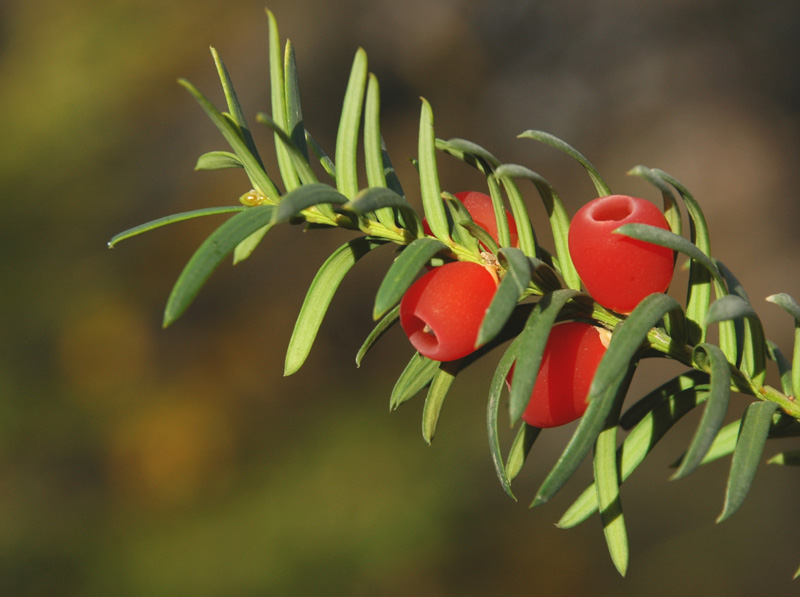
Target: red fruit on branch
column 570, row 358
column 616, row 270
column 442, row 312
column 479, row 206
column 481, row 209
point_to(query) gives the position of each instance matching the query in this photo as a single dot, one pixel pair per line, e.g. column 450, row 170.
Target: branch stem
column 658, row 340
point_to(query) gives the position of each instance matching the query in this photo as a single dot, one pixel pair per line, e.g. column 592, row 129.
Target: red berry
column 570, row 358
column 619, row 271
column 442, row 312
column 480, row 208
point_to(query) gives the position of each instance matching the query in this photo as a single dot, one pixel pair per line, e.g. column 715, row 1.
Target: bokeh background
column 142, row 461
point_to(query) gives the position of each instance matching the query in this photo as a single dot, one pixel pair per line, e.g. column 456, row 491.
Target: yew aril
column 442, row 312
column 481, row 210
column 479, row 206
column 570, row 359
column 616, row 270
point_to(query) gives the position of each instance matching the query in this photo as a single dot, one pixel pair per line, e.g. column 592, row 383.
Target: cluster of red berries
column 441, row 313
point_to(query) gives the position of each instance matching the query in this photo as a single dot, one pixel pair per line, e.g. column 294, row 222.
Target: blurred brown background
column 136, row 461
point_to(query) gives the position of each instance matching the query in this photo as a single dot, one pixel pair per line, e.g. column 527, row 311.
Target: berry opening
column 424, row 339
column 613, row 209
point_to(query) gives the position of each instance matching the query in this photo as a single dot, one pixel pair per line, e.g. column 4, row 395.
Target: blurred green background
column 141, row 461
